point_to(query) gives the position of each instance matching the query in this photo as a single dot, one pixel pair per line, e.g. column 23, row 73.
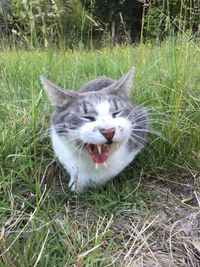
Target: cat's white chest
column 83, row 171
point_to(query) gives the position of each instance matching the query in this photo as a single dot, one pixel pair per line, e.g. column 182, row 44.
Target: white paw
column 75, row 187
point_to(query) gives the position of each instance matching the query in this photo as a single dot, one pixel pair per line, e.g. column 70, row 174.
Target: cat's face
column 94, row 124
column 97, row 123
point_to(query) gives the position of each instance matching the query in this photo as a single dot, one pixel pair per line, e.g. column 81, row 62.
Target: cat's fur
column 96, row 132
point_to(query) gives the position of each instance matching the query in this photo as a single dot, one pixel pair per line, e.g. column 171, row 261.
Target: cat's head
column 98, row 122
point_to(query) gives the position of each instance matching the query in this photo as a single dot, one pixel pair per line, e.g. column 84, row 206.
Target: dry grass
column 169, row 235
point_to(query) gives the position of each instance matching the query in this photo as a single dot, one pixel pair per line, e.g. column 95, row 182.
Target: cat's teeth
column 105, row 165
column 99, row 148
column 96, row 166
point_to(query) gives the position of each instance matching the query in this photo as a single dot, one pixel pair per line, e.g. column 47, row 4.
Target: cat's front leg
column 75, row 184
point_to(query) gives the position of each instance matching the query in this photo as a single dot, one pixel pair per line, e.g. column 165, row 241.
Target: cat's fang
column 105, row 165
column 96, row 166
column 99, row 148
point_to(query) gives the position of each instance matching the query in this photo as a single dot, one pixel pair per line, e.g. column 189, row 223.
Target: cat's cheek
column 122, row 136
column 123, row 130
column 90, row 134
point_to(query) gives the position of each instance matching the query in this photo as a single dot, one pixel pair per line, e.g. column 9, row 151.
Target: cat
column 96, row 132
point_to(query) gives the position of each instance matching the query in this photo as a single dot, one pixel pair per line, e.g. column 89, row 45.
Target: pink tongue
column 100, row 158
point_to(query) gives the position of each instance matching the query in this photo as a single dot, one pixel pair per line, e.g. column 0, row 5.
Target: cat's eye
column 115, row 114
column 89, row 118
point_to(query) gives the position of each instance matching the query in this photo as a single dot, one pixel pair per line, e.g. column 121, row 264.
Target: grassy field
column 149, row 214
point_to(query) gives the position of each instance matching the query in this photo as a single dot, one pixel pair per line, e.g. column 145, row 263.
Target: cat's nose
column 108, row 133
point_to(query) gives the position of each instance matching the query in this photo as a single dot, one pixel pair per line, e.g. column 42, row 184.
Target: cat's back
column 96, row 84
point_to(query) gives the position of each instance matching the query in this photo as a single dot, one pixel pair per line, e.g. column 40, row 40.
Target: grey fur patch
column 96, row 84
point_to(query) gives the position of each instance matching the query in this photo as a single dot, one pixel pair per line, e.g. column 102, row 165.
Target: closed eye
column 115, row 114
column 89, row 118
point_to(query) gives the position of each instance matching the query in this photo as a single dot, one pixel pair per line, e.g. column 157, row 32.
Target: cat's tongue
column 99, row 153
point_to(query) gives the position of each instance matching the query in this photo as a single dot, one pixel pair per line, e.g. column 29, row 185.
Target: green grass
column 42, row 223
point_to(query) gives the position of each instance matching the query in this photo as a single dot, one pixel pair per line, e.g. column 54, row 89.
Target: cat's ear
column 122, row 86
column 57, row 96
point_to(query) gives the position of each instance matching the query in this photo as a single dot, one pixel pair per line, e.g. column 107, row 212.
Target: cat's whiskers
column 138, row 116
column 140, row 142
column 141, row 125
column 142, row 113
column 79, row 146
column 158, row 134
column 161, row 122
column 135, row 141
column 137, row 136
column 66, row 127
column 146, row 131
column 75, row 149
column 47, row 132
column 73, row 139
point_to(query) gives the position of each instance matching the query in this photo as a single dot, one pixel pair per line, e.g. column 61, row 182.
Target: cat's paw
column 75, row 187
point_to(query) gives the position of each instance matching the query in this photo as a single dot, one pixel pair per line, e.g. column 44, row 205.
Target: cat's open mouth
column 99, row 153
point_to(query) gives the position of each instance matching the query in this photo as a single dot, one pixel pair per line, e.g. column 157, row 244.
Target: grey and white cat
column 96, row 132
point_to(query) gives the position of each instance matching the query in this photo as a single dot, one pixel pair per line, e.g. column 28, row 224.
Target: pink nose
column 108, row 133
